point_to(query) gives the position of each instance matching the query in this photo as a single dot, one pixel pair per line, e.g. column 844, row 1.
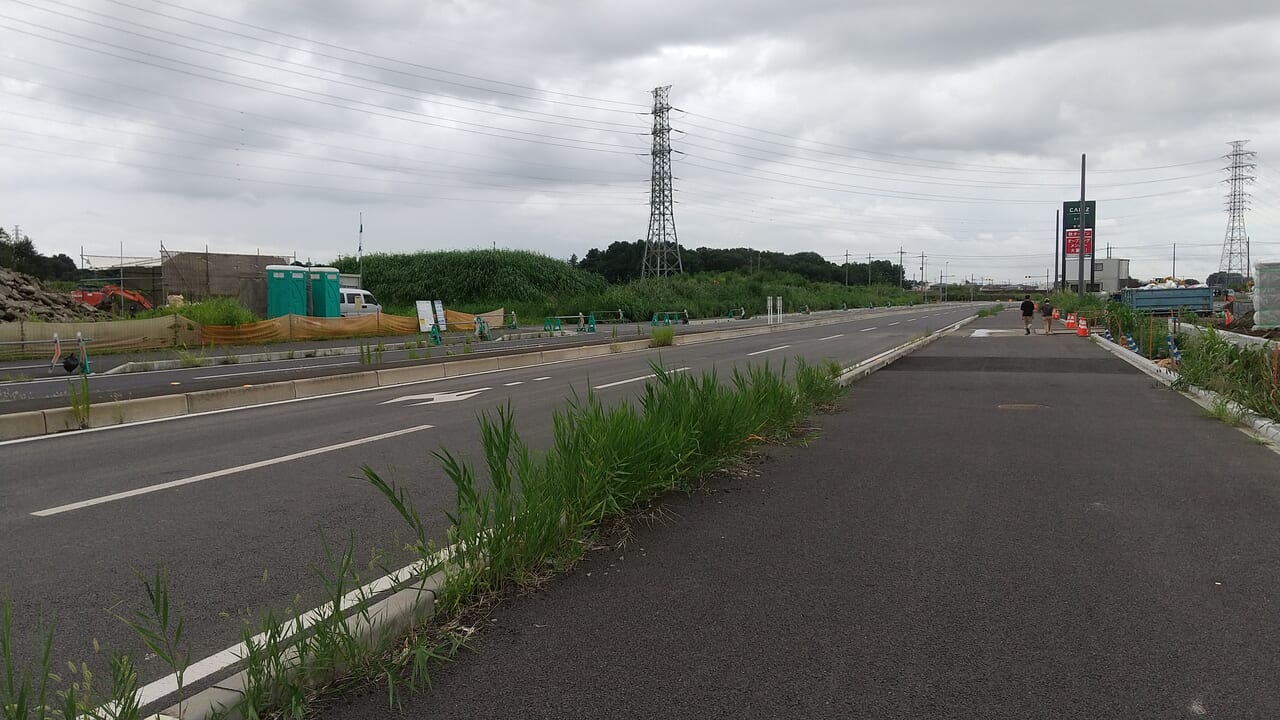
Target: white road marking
column 830, row 337
column 437, row 398
column 898, row 323
column 224, row 472
column 548, row 377
column 761, row 352
column 635, row 379
column 513, row 384
column 275, row 370
column 867, row 329
column 913, row 319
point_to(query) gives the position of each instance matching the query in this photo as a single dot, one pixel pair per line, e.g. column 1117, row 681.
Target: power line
column 406, row 63
column 431, row 120
column 485, row 108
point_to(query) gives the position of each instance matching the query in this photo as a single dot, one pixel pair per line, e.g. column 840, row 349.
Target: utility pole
column 901, row 269
column 360, row 252
column 868, row 269
column 661, row 247
column 1083, row 225
column 923, row 278
column 1059, row 250
column 1175, row 260
column 846, row 268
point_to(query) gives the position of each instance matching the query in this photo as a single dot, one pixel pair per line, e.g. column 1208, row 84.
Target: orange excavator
column 101, row 297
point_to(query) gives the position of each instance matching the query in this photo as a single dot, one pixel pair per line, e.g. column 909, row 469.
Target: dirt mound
column 23, row 297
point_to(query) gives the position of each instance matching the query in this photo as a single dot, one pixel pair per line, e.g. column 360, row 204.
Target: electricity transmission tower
column 1235, row 246
column 661, row 248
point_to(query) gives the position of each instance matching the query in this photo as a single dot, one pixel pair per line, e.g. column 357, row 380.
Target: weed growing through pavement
column 189, row 359
column 229, row 359
column 990, row 311
column 1225, row 411
column 662, row 337
column 161, row 629
column 79, row 398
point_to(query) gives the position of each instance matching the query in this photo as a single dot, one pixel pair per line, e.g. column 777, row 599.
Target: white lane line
column 866, row 329
column 761, row 352
column 894, row 323
column 635, row 379
column 513, row 384
column 548, row 377
column 224, row 472
column 275, row 370
column 830, row 337
column 913, row 319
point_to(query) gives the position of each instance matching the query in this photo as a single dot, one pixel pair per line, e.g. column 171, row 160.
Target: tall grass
column 662, row 337
column 214, row 311
column 532, row 512
column 1248, row 375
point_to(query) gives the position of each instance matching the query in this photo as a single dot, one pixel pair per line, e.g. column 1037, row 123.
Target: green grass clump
column 214, row 311
column 990, row 311
column 533, row 512
column 1248, row 375
column 662, row 337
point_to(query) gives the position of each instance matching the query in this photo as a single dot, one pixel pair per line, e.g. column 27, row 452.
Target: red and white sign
column 1073, row 241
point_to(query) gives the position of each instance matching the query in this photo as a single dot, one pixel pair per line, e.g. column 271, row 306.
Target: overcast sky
column 948, row 127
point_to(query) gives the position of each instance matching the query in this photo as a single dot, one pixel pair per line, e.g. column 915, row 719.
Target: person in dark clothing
column 1046, row 311
column 1028, row 312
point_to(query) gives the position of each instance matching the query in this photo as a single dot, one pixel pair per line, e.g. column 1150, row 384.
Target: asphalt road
column 250, row 537
column 31, row 385
column 994, row 527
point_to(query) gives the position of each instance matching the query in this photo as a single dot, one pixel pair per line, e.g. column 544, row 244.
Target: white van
column 354, row 301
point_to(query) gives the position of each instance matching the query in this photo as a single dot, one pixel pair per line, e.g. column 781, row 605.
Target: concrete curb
column 1206, row 399
column 57, row 420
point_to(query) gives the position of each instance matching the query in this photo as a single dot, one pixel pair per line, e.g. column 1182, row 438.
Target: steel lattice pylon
column 1235, row 246
column 661, row 248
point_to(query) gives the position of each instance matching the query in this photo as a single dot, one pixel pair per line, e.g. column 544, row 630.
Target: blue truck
column 1198, row 300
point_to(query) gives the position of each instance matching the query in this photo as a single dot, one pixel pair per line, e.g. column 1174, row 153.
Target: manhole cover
column 1022, row 406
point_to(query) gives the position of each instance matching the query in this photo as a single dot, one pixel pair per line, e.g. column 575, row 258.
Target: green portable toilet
column 325, row 299
column 286, row 290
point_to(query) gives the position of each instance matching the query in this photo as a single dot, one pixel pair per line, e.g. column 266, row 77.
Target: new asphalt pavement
column 237, row 505
column 997, row 526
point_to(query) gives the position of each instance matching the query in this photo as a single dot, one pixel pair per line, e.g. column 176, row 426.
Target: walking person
column 1028, row 312
column 1046, row 311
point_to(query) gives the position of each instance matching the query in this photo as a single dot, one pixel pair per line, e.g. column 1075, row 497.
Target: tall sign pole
column 1059, row 253
column 1083, row 225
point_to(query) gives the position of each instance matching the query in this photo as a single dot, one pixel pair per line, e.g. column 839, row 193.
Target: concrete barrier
column 312, row 387
column 20, row 425
column 507, row 362
column 137, row 410
column 466, row 367
column 417, row 373
column 59, row 420
column 224, row 398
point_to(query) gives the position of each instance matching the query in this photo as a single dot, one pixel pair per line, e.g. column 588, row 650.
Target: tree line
column 20, row 254
column 621, row 261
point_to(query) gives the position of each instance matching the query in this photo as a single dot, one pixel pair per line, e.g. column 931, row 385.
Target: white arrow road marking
column 436, row 398
column 636, row 379
column 225, row 472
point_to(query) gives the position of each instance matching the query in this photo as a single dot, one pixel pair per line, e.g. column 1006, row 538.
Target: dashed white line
column 224, row 472
column 867, row 329
column 635, row 379
column 894, row 323
column 913, row 319
column 830, row 337
column 548, row 377
column 513, row 384
column 761, row 352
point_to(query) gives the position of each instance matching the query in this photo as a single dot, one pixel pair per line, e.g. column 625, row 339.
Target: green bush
column 662, row 337
column 214, row 311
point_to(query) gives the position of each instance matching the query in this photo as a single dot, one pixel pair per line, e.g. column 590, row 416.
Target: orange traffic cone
column 1083, row 329
column 1056, row 316
column 1071, row 321
column 1229, row 318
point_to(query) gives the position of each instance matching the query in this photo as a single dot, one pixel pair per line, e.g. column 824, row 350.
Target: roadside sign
column 1071, row 215
column 426, row 316
column 1073, row 241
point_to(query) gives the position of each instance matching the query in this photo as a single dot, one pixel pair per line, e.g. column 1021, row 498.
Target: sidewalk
column 995, row 527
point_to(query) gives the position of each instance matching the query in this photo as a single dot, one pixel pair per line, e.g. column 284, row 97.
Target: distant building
column 1110, row 275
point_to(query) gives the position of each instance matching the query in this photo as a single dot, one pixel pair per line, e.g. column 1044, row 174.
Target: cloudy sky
column 948, row 127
